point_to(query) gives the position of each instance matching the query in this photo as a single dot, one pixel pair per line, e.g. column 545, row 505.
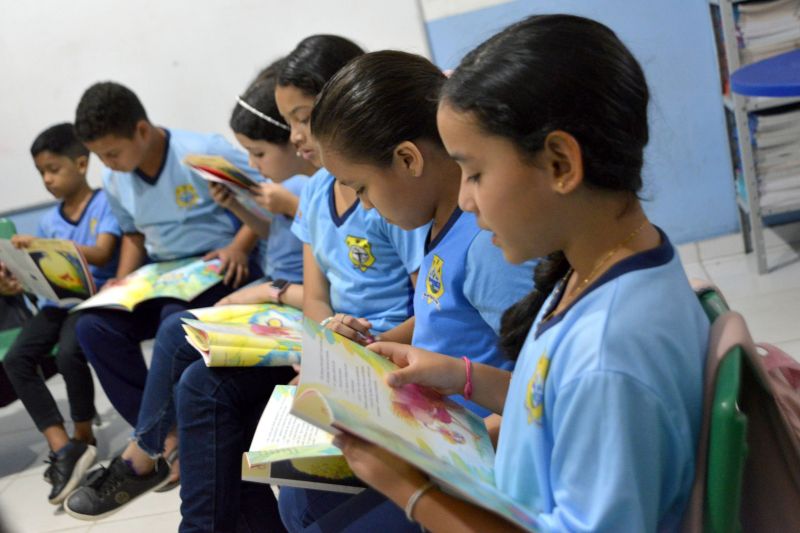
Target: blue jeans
column 316, row 511
column 218, row 411
column 111, row 341
column 171, row 356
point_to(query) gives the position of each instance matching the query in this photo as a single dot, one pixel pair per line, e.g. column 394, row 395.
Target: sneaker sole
column 93, row 518
column 83, row 464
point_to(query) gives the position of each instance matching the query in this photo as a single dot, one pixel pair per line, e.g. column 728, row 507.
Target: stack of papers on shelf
column 776, row 151
column 768, row 28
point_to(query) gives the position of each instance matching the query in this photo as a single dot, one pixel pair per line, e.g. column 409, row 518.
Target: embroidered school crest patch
column 534, row 396
column 360, row 252
column 186, row 195
column 434, row 281
column 93, row 226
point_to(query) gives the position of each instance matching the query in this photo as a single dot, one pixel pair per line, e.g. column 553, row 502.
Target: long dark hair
column 557, row 72
column 261, row 96
column 377, row 101
column 315, row 60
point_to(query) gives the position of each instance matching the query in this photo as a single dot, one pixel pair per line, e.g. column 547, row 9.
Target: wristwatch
column 278, row 287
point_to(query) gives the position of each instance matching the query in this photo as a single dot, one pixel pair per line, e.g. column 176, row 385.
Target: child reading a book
column 165, row 212
column 267, row 142
column 261, row 131
column 354, row 263
column 602, row 413
column 83, row 216
column 375, row 124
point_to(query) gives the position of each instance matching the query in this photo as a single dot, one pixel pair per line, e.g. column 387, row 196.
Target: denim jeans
column 316, row 511
column 218, row 410
column 171, row 356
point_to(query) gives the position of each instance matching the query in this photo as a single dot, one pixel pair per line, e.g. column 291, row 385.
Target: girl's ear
column 408, row 159
column 563, row 161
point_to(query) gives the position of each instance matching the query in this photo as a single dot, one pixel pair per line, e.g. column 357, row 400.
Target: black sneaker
column 109, row 489
column 67, row 469
column 48, row 472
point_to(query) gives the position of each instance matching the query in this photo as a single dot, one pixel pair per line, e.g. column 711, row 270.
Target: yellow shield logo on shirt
column 534, row 395
column 359, row 252
column 186, row 195
column 93, row 226
column 434, row 281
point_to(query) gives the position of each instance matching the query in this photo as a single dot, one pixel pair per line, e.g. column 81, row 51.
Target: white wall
column 186, row 59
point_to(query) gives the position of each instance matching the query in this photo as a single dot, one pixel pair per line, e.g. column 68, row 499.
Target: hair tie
column 261, row 115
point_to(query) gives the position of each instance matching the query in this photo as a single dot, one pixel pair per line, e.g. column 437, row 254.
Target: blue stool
column 777, row 76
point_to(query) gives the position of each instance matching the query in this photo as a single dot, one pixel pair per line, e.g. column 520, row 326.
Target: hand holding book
column 275, row 198
column 442, row 373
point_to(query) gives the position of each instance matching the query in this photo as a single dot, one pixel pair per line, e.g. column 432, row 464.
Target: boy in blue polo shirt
column 83, row 216
column 166, row 212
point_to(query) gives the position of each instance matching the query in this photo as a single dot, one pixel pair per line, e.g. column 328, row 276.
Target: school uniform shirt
column 96, row 218
column 366, row 260
column 463, row 289
column 173, row 209
column 284, row 251
column 604, row 408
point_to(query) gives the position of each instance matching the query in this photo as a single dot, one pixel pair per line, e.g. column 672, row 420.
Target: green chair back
column 727, row 448
column 7, row 228
column 727, row 444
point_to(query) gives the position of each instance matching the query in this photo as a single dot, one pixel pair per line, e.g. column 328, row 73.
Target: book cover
column 286, row 451
column 246, row 335
column 51, row 268
column 342, row 387
column 184, row 279
column 219, row 170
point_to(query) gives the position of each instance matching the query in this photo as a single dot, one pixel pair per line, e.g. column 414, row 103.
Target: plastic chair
column 7, row 230
column 722, row 450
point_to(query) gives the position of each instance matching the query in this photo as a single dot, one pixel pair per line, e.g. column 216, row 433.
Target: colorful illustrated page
column 244, row 344
column 281, row 316
column 352, row 381
column 184, row 279
column 220, row 170
column 52, row 268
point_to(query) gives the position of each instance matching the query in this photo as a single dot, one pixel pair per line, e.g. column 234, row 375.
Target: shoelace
column 103, row 480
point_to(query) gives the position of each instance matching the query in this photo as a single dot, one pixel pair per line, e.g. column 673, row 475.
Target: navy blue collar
column 339, row 220
column 153, row 179
column 431, row 244
column 80, row 217
column 654, row 257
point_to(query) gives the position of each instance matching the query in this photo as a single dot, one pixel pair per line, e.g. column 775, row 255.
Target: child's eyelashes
column 474, row 177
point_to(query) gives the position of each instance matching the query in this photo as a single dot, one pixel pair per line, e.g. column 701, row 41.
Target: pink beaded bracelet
column 468, row 384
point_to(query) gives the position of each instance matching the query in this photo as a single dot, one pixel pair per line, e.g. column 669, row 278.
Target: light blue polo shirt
column 464, row 287
column 604, row 408
column 284, row 251
column 366, row 260
column 173, row 209
column 95, row 219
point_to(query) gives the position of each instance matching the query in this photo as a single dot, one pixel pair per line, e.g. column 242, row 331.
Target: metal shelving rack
column 750, row 211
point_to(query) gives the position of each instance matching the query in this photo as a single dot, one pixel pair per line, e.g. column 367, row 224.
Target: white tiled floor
column 769, row 303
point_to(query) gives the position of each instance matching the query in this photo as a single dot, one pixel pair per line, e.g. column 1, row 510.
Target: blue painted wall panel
column 688, row 178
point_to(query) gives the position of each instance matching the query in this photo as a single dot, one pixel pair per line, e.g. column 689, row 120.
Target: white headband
column 261, row 115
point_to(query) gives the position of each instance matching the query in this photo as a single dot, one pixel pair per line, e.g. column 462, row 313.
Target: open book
column 184, row 279
column 246, row 335
column 51, row 268
column 343, row 387
column 287, row 451
column 219, row 170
